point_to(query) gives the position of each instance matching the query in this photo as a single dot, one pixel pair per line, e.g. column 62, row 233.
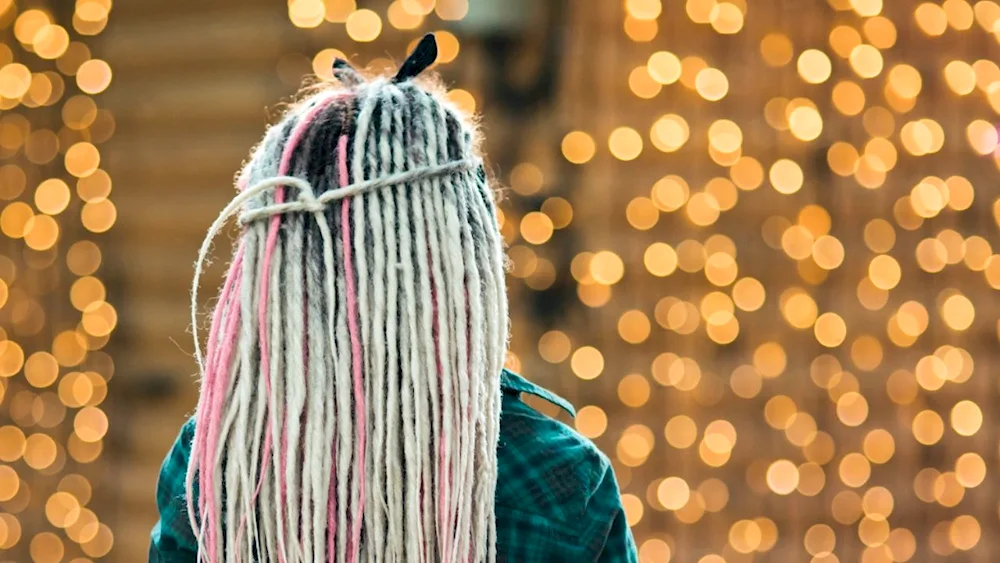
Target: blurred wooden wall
column 192, row 81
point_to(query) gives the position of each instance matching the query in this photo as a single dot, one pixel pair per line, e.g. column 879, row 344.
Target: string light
column 44, row 485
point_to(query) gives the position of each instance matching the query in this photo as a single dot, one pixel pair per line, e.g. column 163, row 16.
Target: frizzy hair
column 350, row 400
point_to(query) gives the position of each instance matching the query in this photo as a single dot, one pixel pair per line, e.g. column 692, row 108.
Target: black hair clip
column 422, row 57
column 344, row 72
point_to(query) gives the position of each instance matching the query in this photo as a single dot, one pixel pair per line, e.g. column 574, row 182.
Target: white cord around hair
column 305, row 201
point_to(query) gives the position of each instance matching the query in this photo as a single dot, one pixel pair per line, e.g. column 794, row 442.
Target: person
column 354, row 405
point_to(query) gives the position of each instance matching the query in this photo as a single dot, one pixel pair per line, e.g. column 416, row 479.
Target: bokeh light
column 808, row 316
column 53, row 127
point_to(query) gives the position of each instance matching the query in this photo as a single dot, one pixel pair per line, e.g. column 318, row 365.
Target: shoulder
column 557, row 498
column 544, row 466
column 170, row 486
column 176, row 461
column 172, row 538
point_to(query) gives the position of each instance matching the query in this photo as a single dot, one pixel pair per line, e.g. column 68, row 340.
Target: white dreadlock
column 350, row 396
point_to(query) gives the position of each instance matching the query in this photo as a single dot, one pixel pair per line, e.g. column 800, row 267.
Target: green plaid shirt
column 556, row 500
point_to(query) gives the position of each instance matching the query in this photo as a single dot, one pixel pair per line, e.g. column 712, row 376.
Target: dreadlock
column 349, row 407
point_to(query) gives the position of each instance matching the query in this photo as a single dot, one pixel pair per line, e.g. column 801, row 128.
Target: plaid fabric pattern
column 557, row 498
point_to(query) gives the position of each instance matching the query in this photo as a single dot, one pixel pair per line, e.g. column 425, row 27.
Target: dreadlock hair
column 350, row 401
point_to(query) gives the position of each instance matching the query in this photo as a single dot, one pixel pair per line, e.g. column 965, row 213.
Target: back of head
column 349, row 407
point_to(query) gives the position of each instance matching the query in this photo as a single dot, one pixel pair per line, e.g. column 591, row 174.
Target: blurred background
column 752, row 241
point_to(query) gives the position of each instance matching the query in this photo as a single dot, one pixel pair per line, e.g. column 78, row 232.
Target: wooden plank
column 193, row 83
column 233, row 97
column 190, row 39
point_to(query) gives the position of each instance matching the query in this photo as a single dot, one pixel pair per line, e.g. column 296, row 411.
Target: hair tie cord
column 308, row 201
column 305, row 202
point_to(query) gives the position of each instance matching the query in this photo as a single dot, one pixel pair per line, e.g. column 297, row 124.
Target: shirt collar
column 511, row 382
